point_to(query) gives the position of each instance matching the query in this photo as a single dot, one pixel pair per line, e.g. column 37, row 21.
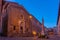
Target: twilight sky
column 48, row 9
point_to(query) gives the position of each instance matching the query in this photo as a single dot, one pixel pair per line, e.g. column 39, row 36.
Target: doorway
column 5, row 25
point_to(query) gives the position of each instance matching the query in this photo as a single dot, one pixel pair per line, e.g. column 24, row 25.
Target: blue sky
column 48, row 9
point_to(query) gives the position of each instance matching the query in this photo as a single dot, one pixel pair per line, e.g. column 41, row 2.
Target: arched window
column 27, row 29
column 21, row 16
column 14, row 28
column 21, row 27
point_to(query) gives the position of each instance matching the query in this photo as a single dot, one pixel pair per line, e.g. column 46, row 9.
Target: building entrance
column 4, row 25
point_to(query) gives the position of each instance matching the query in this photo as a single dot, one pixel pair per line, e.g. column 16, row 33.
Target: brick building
column 16, row 21
column 58, row 21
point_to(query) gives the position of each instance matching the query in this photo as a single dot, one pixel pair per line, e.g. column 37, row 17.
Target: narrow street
column 54, row 37
column 51, row 37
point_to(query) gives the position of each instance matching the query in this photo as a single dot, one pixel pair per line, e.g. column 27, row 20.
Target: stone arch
column 22, row 26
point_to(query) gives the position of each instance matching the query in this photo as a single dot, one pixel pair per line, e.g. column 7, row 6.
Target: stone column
column 0, row 16
column 24, row 26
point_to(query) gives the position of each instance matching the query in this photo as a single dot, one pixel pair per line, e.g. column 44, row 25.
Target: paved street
column 54, row 37
column 30, row 38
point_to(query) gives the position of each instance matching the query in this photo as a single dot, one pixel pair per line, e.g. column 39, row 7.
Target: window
column 21, row 27
column 21, row 16
column 21, row 11
column 14, row 27
column 27, row 29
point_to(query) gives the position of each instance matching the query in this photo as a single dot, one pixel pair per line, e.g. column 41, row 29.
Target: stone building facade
column 58, row 21
column 16, row 21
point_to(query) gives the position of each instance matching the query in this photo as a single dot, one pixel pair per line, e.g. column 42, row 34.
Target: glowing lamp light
column 34, row 32
column 30, row 17
column 19, row 22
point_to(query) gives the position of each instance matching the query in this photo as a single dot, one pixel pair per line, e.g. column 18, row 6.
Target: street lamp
column 34, row 33
column 30, row 17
